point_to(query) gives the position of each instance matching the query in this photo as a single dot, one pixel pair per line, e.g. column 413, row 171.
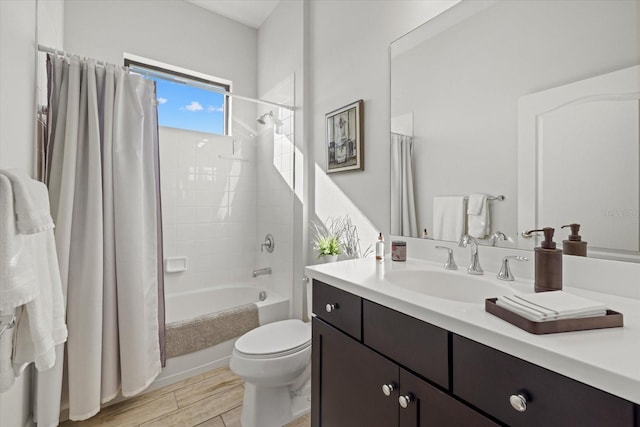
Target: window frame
column 184, row 76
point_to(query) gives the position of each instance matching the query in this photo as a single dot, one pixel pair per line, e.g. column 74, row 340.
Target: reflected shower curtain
column 403, row 209
column 103, row 183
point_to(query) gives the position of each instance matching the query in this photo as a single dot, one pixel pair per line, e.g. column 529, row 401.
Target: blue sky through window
column 187, row 107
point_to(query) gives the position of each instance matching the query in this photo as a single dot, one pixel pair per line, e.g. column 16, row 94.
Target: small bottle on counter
column 380, row 248
column 575, row 245
column 399, row 250
column 425, row 234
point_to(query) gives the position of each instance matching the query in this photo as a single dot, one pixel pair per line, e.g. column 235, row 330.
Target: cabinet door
column 429, row 407
column 347, row 380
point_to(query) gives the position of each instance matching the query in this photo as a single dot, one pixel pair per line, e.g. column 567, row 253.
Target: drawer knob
column 519, row 402
column 331, row 307
column 405, row 400
column 387, row 389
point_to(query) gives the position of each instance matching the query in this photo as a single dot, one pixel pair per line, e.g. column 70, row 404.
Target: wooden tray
column 612, row 319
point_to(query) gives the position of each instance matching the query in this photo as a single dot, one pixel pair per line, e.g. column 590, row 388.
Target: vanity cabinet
column 373, row 366
column 363, row 381
column 488, row 379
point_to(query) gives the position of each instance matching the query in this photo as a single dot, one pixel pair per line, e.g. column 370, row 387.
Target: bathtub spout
column 261, row 271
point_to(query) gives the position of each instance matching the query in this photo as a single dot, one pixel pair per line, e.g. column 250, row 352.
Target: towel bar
column 500, row 197
column 6, row 323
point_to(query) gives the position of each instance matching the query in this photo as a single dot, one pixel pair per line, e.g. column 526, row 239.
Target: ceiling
column 248, row 12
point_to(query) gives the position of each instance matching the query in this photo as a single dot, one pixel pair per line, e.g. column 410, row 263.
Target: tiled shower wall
column 275, row 166
column 208, row 207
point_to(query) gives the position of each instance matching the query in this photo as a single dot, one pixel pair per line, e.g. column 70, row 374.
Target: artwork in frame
column 345, row 139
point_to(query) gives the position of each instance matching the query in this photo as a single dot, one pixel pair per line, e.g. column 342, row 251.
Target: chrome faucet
column 474, row 265
column 505, row 271
column 451, row 263
column 261, row 271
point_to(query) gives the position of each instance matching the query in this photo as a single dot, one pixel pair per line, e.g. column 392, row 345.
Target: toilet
column 275, row 362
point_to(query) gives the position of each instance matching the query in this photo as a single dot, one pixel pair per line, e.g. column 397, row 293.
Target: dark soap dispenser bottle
column 575, row 245
column 548, row 263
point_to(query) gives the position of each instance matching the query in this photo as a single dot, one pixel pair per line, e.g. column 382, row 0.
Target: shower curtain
column 403, row 209
column 103, row 178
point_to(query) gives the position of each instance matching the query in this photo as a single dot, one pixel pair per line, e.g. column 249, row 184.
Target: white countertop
column 607, row 359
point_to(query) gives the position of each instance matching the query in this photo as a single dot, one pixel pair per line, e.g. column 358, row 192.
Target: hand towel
column 42, row 325
column 555, row 305
column 448, row 217
column 18, row 283
column 31, row 203
column 478, row 222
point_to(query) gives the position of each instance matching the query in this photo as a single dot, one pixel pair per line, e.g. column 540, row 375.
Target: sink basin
column 450, row 285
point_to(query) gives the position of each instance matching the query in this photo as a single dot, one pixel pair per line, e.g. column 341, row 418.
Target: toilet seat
column 273, row 340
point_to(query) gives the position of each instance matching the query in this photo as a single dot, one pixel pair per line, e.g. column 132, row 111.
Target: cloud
column 213, row 109
column 194, row 106
column 162, row 101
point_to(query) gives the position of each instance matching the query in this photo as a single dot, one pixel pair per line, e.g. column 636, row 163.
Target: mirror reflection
column 472, row 91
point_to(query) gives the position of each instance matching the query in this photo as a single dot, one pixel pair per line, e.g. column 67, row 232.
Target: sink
column 454, row 286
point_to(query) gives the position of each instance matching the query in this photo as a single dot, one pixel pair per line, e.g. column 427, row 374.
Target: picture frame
column 345, row 138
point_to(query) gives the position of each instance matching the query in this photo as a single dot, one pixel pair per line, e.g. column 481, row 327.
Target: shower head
column 262, row 119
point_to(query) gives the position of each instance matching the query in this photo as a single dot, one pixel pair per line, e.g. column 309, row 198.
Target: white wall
column 170, row 31
column 349, row 60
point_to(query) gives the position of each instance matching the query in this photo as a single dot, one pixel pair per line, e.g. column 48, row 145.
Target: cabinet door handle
column 405, row 400
column 387, row 389
column 519, row 402
column 331, row 307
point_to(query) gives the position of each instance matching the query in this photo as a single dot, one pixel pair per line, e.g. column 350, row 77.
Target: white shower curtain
column 102, row 163
column 403, row 209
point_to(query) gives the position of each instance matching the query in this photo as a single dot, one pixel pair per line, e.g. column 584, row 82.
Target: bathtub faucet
column 261, row 271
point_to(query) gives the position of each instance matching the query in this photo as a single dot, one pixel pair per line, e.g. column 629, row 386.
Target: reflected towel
column 448, row 217
column 478, row 222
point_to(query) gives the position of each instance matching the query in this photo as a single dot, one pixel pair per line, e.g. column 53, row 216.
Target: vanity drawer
column 419, row 346
column 338, row 308
column 486, row 378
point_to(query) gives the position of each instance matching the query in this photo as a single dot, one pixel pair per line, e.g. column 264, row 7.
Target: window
column 187, row 100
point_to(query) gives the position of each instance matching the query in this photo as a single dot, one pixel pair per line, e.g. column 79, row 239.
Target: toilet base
column 273, row 406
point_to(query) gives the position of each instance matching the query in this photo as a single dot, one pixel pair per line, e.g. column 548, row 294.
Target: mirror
column 473, row 89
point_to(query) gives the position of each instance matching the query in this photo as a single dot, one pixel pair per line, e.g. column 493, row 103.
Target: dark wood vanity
column 374, row 366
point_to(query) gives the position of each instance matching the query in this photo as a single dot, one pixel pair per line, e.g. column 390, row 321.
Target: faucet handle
column 505, row 271
column 451, row 263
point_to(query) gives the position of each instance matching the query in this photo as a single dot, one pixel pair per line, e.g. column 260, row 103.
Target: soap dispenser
column 548, row 263
column 575, row 245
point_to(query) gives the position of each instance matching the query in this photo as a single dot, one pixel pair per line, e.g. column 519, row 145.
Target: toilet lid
column 274, row 338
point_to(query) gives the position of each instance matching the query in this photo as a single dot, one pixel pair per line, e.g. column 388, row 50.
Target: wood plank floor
column 211, row 399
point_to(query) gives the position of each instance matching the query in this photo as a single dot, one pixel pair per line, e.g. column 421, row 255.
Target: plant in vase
column 327, row 239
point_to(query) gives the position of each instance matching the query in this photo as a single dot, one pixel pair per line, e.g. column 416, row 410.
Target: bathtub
column 192, row 304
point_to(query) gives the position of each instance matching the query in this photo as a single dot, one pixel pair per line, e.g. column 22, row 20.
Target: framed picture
column 345, row 139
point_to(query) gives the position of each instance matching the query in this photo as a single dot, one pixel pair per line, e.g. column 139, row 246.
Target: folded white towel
column 478, row 222
column 448, row 217
column 555, row 305
column 18, row 283
column 31, row 202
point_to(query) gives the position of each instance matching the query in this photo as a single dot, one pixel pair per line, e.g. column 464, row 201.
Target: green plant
column 338, row 235
column 327, row 237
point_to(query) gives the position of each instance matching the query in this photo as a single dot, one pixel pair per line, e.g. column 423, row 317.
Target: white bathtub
column 191, row 304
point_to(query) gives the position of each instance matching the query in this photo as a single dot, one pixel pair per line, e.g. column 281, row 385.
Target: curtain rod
column 47, row 49
column 59, row 52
